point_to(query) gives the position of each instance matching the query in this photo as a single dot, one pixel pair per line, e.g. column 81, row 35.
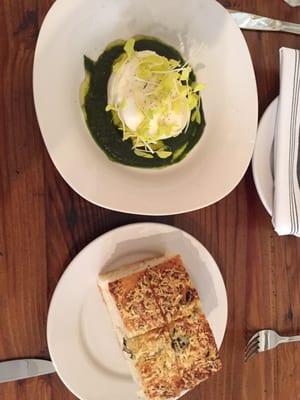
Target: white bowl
column 209, row 39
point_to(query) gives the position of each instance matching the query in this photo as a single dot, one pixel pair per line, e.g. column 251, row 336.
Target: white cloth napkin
column 286, row 209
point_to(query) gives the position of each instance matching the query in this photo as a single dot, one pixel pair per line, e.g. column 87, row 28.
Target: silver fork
column 266, row 340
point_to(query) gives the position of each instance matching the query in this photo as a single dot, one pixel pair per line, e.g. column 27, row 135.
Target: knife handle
column 290, row 27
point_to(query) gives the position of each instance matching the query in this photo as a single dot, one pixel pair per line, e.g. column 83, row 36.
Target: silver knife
column 256, row 22
column 22, row 369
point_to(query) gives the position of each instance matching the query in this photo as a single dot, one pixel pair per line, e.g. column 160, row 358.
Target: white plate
column 81, row 339
column 263, row 157
column 209, row 38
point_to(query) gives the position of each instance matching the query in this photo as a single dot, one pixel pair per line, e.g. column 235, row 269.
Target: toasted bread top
column 155, row 361
column 173, row 289
column 137, row 306
column 195, row 348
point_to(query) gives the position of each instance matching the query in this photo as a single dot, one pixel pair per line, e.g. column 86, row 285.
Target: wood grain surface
column 44, row 224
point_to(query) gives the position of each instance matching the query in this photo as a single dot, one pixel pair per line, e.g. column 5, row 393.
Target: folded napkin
column 286, row 209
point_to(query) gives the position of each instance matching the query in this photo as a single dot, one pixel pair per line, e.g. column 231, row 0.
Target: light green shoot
column 129, row 47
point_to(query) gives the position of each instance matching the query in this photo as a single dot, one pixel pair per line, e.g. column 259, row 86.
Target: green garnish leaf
column 174, row 63
column 110, row 107
column 196, row 116
column 129, row 47
column 179, row 151
column 127, row 134
column 159, row 145
column 116, row 120
column 185, row 73
column 141, row 153
column 163, row 154
column 193, row 100
column 197, row 87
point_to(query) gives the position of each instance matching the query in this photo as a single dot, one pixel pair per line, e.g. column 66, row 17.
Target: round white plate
column 263, row 157
column 80, row 335
column 208, row 37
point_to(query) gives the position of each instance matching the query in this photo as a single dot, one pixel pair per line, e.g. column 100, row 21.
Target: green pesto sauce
column 100, row 124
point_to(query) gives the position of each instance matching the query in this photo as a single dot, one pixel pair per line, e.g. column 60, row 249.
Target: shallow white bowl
column 207, row 36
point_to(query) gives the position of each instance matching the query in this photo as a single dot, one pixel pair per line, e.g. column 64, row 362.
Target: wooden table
column 44, row 224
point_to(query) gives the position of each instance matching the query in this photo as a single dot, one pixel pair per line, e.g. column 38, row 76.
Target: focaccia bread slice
column 165, row 337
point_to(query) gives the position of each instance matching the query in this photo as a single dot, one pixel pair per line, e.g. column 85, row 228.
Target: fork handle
column 289, row 339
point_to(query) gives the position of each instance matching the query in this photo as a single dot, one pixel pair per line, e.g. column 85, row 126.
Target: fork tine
column 254, row 337
column 251, row 348
column 251, row 353
column 250, row 341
